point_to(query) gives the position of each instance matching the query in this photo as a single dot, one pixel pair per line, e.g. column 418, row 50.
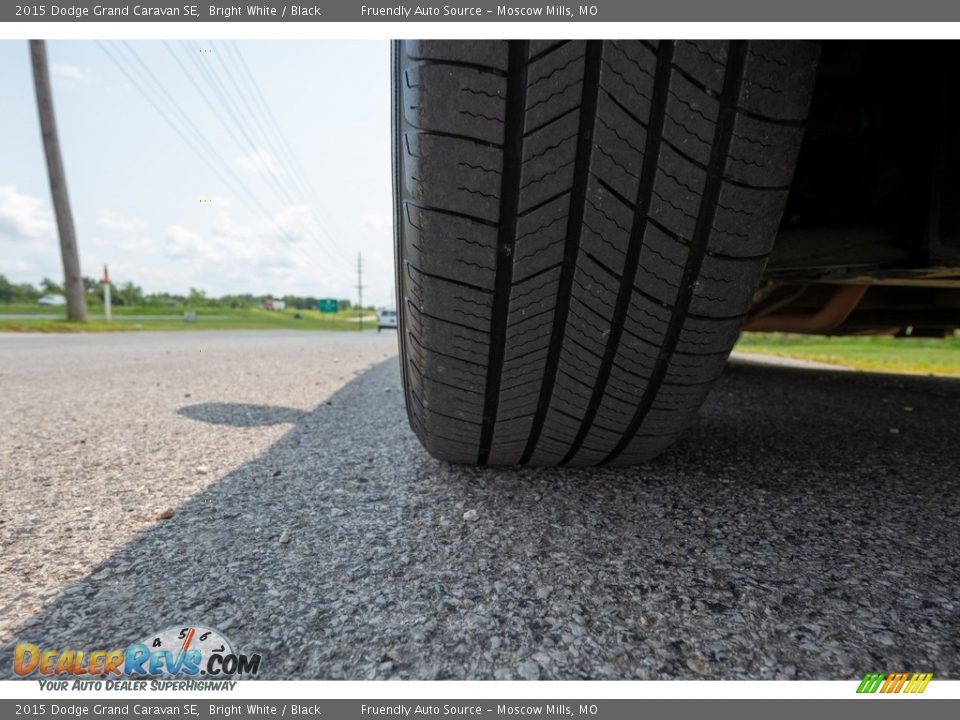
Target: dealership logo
column 894, row 683
column 180, row 651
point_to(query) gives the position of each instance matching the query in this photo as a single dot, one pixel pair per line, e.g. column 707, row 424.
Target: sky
column 181, row 177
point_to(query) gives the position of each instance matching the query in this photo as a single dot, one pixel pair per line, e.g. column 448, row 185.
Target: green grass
column 28, row 308
column 925, row 356
column 14, row 318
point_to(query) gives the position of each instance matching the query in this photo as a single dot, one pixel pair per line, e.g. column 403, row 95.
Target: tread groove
column 590, row 90
column 546, row 51
column 462, row 64
column 442, row 278
column 729, row 96
column 507, row 231
column 452, row 213
column 645, row 194
column 452, row 136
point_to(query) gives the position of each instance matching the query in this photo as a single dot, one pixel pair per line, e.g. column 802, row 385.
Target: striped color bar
column 918, row 683
column 894, row 682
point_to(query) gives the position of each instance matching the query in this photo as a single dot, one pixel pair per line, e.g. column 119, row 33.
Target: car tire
column 580, row 229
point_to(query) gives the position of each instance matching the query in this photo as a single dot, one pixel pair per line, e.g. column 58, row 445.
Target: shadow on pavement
column 241, row 415
column 807, row 527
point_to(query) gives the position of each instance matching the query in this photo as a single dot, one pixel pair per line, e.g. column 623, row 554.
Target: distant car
column 386, row 320
column 52, row 300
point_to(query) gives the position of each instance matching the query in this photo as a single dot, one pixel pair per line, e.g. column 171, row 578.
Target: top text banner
column 484, row 11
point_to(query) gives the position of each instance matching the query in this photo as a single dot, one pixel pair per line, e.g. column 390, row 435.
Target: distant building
column 271, row 304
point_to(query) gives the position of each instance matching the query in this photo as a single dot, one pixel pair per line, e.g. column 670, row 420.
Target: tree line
column 132, row 294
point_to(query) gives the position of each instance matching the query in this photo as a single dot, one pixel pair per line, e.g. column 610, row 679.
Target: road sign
column 328, row 305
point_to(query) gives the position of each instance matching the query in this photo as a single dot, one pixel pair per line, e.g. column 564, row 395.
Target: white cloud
column 18, row 267
column 70, row 74
column 116, row 222
column 262, row 246
column 377, row 222
column 28, row 237
column 24, row 217
column 277, row 256
column 258, row 162
column 231, row 254
column 118, row 232
column 184, row 243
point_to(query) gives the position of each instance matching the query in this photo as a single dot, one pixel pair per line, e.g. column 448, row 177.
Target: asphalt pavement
column 266, row 484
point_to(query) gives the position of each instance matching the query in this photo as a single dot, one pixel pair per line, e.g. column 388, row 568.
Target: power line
column 215, row 83
column 292, row 158
column 244, row 97
column 213, row 79
column 299, row 177
column 184, row 116
column 230, row 179
column 271, row 119
column 284, row 196
column 148, row 84
column 201, row 93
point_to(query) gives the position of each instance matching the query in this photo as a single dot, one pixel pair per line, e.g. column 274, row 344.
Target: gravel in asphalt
column 808, row 525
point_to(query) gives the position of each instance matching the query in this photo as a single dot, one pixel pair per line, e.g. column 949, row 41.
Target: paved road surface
column 807, row 527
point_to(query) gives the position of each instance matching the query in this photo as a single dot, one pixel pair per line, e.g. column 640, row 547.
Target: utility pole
column 72, row 280
column 360, row 291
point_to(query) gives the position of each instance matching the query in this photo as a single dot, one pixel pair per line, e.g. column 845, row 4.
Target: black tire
column 581, row 227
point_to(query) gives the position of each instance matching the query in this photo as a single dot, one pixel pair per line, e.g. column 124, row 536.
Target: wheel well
column 872, row 200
